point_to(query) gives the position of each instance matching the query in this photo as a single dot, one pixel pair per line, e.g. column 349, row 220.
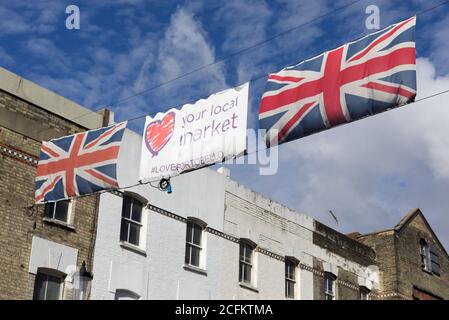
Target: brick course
column 19, row 222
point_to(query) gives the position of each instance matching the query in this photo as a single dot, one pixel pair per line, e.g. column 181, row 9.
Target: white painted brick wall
column 202, row 194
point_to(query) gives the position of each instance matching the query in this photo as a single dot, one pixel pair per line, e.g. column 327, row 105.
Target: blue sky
column 370, row 173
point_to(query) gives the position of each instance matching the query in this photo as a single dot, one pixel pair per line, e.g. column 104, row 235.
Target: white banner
column 210, row 131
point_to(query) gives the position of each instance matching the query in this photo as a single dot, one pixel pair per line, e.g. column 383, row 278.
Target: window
column 246, row 262
column 131, row 220
column 364, row 293
column 434, row 260
column 47, row 287
column 425, row 255
column 193, row 244
column 329, row 284
column 58, row 210
column 290, row 278
column 429, row 258
column 123, row 294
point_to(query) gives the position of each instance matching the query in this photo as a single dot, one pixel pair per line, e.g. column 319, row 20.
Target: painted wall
column 156, row 270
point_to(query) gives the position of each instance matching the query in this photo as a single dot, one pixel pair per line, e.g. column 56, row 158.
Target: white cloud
column 183, row 48
column 373, row 171
column 5, row 58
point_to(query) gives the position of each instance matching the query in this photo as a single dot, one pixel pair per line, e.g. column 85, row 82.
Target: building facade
column 413, row 262
column 212, row 238
column 41, row 247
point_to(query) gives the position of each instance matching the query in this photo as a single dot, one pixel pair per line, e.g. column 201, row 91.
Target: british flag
column 79, row 164
column 356, row 80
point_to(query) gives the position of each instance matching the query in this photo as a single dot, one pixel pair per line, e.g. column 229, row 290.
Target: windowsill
column 60, row 223
column 133, row 248
column 248, row 286
column 427, row 271
column 195, row 269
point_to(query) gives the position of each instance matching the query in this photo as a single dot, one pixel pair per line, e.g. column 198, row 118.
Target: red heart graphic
column 159, row 132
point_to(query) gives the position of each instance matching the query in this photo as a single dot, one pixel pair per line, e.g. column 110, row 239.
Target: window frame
column 130, row 221
column 430, row 258
column 435, row 266
column 246, row 244
column 294, row 264
column 332, row 278
column 53, row 274
column 364, row 292
column 55, row 205
column 126, row 293
column 195, row 223
column 425, row 255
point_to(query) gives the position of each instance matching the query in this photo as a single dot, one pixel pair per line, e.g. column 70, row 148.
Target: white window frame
column 329, row 293
column 141, row 242
column 425, row 255
column 364, row 293
column 202, row 246
column 69, row 211
column 252, row 263
column 50, row 273
column 287, row 279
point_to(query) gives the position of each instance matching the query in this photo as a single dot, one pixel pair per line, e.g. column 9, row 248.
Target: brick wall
column 18, row 223
column 399, row 261
column 410, row 271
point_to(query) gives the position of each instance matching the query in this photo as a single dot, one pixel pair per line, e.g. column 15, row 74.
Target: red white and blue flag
column 356, row 80
column 79, row 164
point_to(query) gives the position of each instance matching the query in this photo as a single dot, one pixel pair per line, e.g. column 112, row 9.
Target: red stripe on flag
column 281, row 78
column 102, row 177
column 390, row 89
column 48, row 150
column 47, row 189
column 382, row 38
column 283, row 132
column 289, row 96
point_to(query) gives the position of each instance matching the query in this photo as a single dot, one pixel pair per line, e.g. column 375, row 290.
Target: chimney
column 108, row 116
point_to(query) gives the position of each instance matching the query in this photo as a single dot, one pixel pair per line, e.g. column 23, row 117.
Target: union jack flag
column 79, row 164
column 356, row 80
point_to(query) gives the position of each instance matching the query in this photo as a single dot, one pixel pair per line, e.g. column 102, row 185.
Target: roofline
column 48, row 100
column 404, row 222
column 409, row 217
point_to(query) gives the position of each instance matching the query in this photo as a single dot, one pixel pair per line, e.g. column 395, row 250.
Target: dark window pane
column 189, row 232
column 137, row 211
column 195, row 256
column 245, row 252
column 134, row 234
column 187, row 257
column 197, row 235
column 49, row 209
column 435, row 268
column 39, row 287
column 53, row 288
column 124, row 230
column 248, row 253
column 241, row 272
column 290, row 289
column 126, row 208
column 62, row 210
column 289, row 269
column 247, row 273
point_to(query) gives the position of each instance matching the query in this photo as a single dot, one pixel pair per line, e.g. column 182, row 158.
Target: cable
column 179, row 173
column 236, row 53
column 259, row 77
column 225, row 58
